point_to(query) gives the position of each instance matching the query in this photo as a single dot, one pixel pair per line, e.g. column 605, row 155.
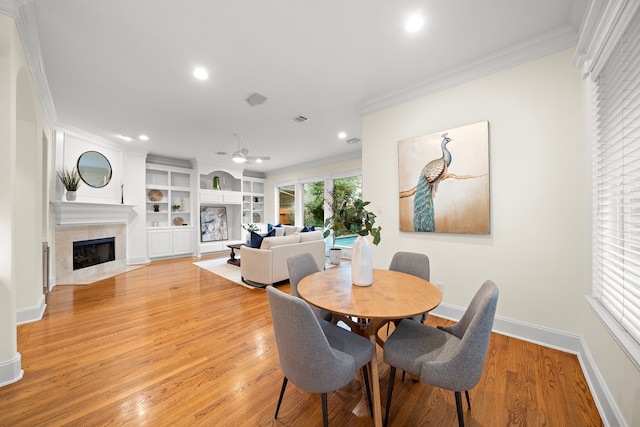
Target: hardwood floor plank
column 173, row 344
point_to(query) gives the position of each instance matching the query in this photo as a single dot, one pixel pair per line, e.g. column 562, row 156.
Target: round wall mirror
column 94, row 169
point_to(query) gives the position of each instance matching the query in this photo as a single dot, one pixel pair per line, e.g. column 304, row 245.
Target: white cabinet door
column 159, row 243
column 183, row 241
column 232, row 197
column 210, row 196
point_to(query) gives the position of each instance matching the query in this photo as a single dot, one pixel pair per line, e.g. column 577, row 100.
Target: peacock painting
column 444, row 181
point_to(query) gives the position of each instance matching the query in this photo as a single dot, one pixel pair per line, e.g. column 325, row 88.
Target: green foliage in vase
column 251, row 228
column 70, row 179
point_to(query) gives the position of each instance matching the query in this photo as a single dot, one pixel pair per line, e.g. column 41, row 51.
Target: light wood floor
column 171, row 344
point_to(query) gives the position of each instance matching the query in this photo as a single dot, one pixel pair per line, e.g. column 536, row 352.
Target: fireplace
column 66, row 272
column 87, row 253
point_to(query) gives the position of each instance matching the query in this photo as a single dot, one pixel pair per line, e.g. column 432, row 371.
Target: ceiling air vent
column 299, row 119
column 353, row 140
column 256, row 99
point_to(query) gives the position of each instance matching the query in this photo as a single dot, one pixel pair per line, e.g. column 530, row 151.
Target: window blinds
column 616, row 233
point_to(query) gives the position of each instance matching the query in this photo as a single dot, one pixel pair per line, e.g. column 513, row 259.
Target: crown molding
column 12, row 7
column 602, row 31
column 316, row 163
column 547, row 43
column 23, row 13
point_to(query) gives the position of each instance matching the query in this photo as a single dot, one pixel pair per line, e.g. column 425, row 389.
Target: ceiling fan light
column 238, row 157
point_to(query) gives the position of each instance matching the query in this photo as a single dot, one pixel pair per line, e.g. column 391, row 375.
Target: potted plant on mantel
column 71, row 181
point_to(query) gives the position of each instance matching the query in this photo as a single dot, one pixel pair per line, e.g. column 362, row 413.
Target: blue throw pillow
column 311, row 228
column 304, row 230
column 255, row 240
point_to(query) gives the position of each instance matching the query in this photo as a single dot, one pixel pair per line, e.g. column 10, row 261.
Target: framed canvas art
column 213, row 224
column 444, row 181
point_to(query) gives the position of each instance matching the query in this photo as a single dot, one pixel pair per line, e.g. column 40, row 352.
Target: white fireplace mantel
column 74, row 213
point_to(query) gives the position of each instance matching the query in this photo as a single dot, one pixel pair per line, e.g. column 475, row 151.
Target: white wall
column 22, row 125
column 538, row 251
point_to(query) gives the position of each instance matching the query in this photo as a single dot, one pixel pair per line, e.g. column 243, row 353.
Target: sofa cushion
column 310, row 235
column 290, row 229
column 278, row 230
column 270, row 242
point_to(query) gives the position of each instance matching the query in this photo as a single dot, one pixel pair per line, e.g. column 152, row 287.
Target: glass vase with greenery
column 251, row 228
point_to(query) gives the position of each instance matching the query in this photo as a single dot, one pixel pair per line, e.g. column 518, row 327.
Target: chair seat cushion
column 347, row 343
column 413, row 343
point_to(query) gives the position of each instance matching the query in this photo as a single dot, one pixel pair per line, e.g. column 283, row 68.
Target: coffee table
column 232, row 256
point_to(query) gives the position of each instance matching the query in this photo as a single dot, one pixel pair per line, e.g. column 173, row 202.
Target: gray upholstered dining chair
column 450, row 357
column 315, row 355
column 415, row 264
column 300, row 266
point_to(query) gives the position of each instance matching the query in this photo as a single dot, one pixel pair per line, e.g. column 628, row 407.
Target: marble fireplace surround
column 66, row 235
column 76, row 221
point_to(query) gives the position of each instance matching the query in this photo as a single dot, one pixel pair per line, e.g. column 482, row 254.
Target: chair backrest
column 306, row 358
column 462, row 368
column 411, row 263
column 300, row 266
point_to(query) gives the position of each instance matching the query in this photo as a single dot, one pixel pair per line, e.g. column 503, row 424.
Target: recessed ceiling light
column 126, row 138
column 258, row 160
column 143, row 138
column 414, row 23
column 200, row 73
column 342, row 135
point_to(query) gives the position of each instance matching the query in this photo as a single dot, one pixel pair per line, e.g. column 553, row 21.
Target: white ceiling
column 124, row 66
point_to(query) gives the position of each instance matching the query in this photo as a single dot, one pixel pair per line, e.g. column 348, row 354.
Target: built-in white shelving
column 170, row 219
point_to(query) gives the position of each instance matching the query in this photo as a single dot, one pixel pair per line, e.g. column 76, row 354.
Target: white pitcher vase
column 361, row 266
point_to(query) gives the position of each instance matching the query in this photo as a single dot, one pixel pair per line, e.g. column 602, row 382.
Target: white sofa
column 268, row 264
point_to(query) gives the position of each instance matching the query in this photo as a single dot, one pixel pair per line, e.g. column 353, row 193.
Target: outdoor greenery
column 69, row 178
column 314, row 204
column 348, row 211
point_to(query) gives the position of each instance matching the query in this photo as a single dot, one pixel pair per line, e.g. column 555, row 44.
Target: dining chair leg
column 365, row 375
column 466, row 393
column 284, row 385
column 325, row 410
column 392, row 376
column 459, row 409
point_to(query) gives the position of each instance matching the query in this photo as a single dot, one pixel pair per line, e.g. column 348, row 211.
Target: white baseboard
column 11, row 371
column 140, row 260
column 558, row 340
column 31, row 314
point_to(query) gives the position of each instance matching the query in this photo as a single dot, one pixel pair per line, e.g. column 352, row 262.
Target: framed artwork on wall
column 213, row 224
column 443, row 181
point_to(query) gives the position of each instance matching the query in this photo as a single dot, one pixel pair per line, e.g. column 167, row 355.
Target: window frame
column 612, row 214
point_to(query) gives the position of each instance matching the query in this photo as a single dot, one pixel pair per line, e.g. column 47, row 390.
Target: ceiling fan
column 242, row 155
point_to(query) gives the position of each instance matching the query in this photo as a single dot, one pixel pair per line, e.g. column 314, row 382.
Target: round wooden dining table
column 365, row 309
